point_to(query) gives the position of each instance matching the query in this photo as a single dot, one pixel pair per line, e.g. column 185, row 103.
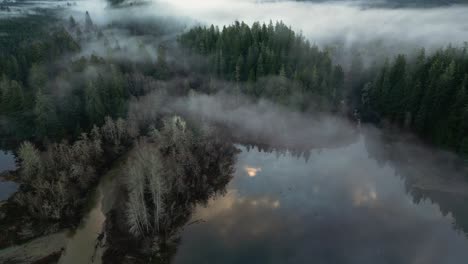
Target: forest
column 427, row 95
column 71, row 113
column 241, row 53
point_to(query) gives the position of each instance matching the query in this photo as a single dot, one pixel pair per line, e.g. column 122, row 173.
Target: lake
column 373, row 200
column 340, row 206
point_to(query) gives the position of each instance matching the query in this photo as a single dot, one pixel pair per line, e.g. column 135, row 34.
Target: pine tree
column 11, row 97
column 397, row 90
column 37, row 77
column 89, row 25
column 72, row 23
column 162, row 67
column 45, row 116
column 239, row 69
column 260, row 69
column 93, row 104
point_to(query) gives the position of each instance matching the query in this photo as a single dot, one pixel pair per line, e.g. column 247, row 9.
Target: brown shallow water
column 83, row 244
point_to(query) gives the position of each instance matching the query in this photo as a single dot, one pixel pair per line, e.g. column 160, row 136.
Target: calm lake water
column 7, row 162
column 340, row 206
column 349, row 204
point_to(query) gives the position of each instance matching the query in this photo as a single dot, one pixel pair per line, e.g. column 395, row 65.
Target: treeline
column 61, row 102
column 242, row 53
column 61, row 108
column 29, row 40
column 27, row 46
column 427, row 95
column 47, row 94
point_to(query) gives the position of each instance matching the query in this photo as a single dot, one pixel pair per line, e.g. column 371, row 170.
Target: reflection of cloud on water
column 252, row 171
column 241, row 228
column 341, row 207
column 366, row 195
column 232, row 199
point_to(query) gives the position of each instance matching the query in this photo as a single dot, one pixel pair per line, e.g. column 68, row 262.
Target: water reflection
column 83, row 245
column 7, row 189
column 251, row 171
column 373, row 201
column 7, row 163
column 342, row 206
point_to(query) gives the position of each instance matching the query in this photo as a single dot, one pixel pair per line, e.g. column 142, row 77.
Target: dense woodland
column 241, row 53
column 45, row 92
column 427, row 95
column 81, row 114
column 69, row 116
column 25, row 52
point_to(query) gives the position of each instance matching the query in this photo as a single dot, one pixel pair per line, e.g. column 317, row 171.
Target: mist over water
column 360, row 195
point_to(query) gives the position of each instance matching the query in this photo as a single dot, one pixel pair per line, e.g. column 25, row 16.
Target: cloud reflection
column 328, row 210
column 252, row 171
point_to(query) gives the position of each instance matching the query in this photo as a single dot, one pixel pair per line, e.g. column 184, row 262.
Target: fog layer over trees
column 165, row 103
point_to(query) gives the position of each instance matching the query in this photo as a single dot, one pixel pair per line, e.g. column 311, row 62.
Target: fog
column 325, row 22
column 355, row 163
column 269, row 125
column 14, row 8
column 373, row 31
column 266, row 123
column 348, row 26
column 340, row 197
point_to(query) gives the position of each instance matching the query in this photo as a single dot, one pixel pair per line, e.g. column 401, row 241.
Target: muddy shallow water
column 85, row 244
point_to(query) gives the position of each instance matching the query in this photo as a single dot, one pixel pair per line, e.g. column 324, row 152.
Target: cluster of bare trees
column 155, row 170
column 53, row 181
column 145, row 180
column 168, row 172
